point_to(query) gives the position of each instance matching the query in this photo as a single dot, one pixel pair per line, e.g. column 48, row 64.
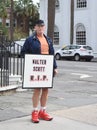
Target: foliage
column 5, row 3
column 3, row 15
column 23, row 11
column 18, row 34
column 27, row 10
column 3, row 30
column 3, row 12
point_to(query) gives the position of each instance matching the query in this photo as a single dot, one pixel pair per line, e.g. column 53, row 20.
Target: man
column 39, row 43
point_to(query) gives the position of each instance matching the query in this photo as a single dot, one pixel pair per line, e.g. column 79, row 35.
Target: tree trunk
column 51, row 18
column 72, row 22
column 11, row 22
column 26, row 25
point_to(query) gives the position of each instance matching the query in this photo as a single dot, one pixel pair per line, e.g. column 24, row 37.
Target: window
column 66, row 48
column 14, row 23
column 0, row 20
column 73, row 47
column 7, row 22
column 57, row 3
column 81, row 3
column 80, row 35
column 87, row 47
column 56, row 36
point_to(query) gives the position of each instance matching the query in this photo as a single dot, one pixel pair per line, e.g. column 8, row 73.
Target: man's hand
column 55, row 72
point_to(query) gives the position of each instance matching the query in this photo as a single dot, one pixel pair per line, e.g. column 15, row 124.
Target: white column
column 44, row 11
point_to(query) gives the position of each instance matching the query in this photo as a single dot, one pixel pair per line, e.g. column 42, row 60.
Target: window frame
column 80, row 5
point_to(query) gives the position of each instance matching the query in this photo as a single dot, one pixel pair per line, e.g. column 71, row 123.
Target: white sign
column 38, row 71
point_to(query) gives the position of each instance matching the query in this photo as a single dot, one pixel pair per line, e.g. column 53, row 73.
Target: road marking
column 95, row 95
column 82, row 75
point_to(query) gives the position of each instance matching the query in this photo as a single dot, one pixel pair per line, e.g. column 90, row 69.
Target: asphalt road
column 76, row 83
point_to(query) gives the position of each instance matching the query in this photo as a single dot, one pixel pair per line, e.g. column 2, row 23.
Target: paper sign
column 38, row 71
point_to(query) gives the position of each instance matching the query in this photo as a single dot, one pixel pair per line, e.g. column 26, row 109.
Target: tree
column 3, row 15
column 72, row 22
column 11, row 21
column 3, row 12
column 25, row 11
column 51, row 18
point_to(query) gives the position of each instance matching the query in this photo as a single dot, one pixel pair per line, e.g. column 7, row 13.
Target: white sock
column 43, row 108
column 35, row 109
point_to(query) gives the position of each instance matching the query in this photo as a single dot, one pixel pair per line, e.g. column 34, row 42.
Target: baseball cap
column 40, row 22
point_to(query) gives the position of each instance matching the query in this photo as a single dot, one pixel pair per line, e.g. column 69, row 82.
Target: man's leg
column 43, row 100
column 35, row 101
column 35, row 98
column 44, row 97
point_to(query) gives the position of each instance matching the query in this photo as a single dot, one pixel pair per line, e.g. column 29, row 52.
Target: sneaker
column 44, row 115
column 35, row 117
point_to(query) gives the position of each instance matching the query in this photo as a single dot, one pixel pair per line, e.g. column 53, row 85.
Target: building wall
column 81, row 16
column 62, row 20
column 93, row 24
column 85, row 16
column 88, row 18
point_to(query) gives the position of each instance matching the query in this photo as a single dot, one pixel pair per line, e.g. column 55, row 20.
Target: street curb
column 8, row 89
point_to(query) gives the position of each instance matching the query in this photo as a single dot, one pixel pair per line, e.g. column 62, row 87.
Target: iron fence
column 11, row 62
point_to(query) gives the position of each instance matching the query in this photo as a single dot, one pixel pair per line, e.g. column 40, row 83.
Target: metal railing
column 11, row 62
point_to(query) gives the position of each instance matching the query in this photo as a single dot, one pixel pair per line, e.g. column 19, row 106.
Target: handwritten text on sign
column 40, row 68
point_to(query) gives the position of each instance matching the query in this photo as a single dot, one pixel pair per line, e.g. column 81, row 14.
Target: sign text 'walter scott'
column 38, row 66
column 41, row 62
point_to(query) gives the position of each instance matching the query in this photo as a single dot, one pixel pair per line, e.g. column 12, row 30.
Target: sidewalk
column 15, row 113
column 58, row 123
column 77, row 118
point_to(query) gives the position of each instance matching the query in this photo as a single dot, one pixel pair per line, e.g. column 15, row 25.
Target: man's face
column 39, row 28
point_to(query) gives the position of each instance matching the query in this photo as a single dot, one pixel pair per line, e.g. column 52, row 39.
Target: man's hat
column 40, row 22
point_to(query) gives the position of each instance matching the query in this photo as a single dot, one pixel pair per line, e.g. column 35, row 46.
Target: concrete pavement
column 15, row 115
column 58, row 123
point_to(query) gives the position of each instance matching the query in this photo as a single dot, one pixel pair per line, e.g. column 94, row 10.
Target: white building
column 85, row 22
